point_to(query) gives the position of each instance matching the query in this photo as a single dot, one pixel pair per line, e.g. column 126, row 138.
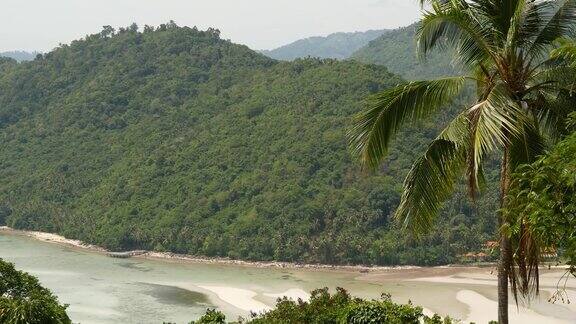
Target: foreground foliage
column 543, row 199
column 24, row 301
column 341, row 307
column 173, row 139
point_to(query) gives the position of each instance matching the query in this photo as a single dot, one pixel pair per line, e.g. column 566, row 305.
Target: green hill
column 175, row 140
column 337, row 46
column 396, row 50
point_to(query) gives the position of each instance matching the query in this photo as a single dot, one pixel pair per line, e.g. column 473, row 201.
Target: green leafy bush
column 212, row 316
column 543, row 198
column 340, row 308
column 24, row 301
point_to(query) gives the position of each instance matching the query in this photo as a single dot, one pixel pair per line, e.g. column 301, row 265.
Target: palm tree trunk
column 505, row 248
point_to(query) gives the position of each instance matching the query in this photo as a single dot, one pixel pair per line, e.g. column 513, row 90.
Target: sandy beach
column 169, row 256
column 52, row 238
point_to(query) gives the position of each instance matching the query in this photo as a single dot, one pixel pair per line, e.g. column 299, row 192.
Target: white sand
column 483, row 310
column 293, row 293
column 453, row 280
column 428, row 312
column 549, row 279
column 240, row 298
column 53, row 238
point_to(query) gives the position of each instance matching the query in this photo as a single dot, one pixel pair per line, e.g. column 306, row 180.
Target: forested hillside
column 337, row 46
column 397, row 51
column 175, row 140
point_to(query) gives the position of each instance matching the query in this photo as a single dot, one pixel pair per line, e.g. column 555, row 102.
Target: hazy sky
column 261, row 24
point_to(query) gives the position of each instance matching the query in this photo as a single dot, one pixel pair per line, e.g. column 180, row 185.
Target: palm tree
column 519, row 109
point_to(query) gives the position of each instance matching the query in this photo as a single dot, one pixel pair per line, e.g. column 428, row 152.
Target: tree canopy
column 543, row 199
column 24, row 301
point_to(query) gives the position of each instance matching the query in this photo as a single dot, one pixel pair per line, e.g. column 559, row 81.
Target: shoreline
column 174, row 257
column 185, row 258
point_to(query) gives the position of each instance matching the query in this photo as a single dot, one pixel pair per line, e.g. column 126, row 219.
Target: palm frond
column 528, row 146
column 425, row 2
column 428, row 184
column 500, row 15
column 551, row 112
column 452, row 23
column 526, row 23
column 533, row 18
column 388, row 111
column 557, row 75
column 493, row 122
column 566, row 51
column 524, row 276
column 457, row 131
column 558, row 20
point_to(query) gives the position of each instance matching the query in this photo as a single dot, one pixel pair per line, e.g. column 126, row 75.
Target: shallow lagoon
column 100, row 289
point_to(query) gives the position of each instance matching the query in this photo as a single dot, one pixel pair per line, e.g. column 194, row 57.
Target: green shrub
column 338, row 308
column 24, row 301
column 382, row 311
column 212, row 316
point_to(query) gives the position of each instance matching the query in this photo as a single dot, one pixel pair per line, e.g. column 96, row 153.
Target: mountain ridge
column 336, row 45
column 20, row 56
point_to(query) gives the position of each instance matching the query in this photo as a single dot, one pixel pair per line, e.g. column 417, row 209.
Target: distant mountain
column 20, row 55
column 396, row 50
column 338, row 46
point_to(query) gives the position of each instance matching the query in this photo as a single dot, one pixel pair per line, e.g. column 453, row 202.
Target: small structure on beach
column 474, row 257
column 125, row 255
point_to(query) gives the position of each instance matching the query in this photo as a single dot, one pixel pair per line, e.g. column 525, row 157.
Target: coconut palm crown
column 523, row 96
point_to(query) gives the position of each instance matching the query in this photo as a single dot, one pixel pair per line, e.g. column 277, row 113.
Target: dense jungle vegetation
column 173, row 139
